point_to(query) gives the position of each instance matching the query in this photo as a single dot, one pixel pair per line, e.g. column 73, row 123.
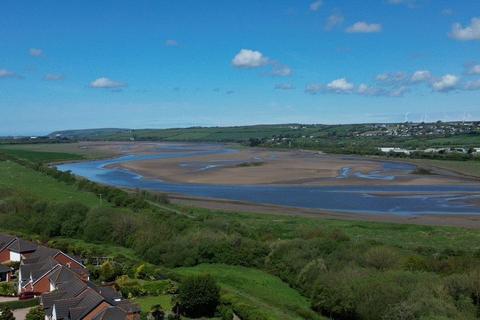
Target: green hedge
column 21, row 304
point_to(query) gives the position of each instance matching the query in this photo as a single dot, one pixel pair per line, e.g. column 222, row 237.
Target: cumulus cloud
column 106, row 83
column 391, row 77
column 475, row 69
column 284, row 86
column 280, row 70
column 467, row 33
column 171, row 43
column 473, row 85
column 421, row 76
column 35, row 52
column 333, row 21
column 316, row 5
column 247, row 58
column 4, row 73
column 446, row 83
column 314, row 88
column 364, row 27
column 54, row 77
column 340, row 86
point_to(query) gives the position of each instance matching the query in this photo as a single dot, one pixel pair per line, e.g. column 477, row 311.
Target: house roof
column 36, row 271
column 111, row 313
column 111, row 295
column 22, row 246
column 41, row 253
column 76, row 308
column 5, row 240
column 4, row 269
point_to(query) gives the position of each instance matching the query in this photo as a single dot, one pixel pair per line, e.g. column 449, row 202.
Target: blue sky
column 157, row 64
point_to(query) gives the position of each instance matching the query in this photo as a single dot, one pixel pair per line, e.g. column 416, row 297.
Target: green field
column 32, row 183
column 39, row 156
column 268, row 294
column 146, row 303
column 51, row 152
column 470, row 168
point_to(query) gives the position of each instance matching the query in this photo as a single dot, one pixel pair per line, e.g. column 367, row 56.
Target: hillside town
column 60, row 281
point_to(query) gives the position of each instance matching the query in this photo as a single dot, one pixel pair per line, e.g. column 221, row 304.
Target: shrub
column 198, row 296
column 381, row 258
column 36, row 313
column 7, row 289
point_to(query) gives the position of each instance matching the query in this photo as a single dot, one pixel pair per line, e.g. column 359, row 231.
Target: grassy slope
column 408, row 236
column 471, row 168
column 56, row 151
column 39, row 156
column 32, row 183
column 254, row 287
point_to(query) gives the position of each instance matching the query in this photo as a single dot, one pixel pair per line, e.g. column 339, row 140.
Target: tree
column 6, row 314
column 35, row 314
column 157, row 313
column 198, row 296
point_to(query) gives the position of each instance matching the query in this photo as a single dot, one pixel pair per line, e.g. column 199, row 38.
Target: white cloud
column 4, row 73
column 284, row 86
column 475, row 69
column 54, row 77
column 447, row 12
column 35, row 52
column 247, row 58
column 280, row 70
column 421, row 75
column 171, row 43
column 340, row 86
column 391, row 77
column 316, row 5
column 408, row 3
column 366, row 90
column 473, row 85
column 314, row 88
column 446, row 83
column 364, row 27
column 398, row 92
column 106, row 83
column 467, row 33
column 333, row 21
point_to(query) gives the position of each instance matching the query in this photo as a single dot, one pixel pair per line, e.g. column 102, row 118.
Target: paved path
column 20, row 314
column 8, row 299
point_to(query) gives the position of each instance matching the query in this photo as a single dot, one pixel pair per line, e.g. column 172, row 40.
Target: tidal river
column 399, row 200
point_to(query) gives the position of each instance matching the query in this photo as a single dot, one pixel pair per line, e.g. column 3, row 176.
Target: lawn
column 255, row 288
column 146, row 303
column 39, row 156
column 30, row 182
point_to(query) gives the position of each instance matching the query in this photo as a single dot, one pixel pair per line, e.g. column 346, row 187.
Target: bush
column 36, row 313
column 381, row 258
column 7, row 289
column 198, row 296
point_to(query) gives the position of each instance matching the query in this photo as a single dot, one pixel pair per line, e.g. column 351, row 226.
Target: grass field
column 30, row 182
column 55, row 151
column 255, row 288
column 471, row 168
column 41, row 156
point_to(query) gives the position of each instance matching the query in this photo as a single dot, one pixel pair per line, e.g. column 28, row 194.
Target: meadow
column 268, row 266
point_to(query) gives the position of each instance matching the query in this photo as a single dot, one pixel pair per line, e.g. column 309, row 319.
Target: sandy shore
column 258, row 166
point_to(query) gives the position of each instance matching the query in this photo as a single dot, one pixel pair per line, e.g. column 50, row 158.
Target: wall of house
column 42, row 286
column 66, row 261
column 4, row 255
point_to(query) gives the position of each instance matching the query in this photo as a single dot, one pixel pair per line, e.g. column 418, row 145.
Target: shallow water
column 392, row 199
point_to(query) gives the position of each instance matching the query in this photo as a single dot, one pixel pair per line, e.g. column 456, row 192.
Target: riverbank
column 453, row 220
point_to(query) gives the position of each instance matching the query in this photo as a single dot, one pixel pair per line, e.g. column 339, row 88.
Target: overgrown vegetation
column 338, row 269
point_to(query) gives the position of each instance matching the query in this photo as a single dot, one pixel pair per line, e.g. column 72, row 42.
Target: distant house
column 12, row 249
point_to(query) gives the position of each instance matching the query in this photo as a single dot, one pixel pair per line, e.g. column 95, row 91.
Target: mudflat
column 254, row 166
